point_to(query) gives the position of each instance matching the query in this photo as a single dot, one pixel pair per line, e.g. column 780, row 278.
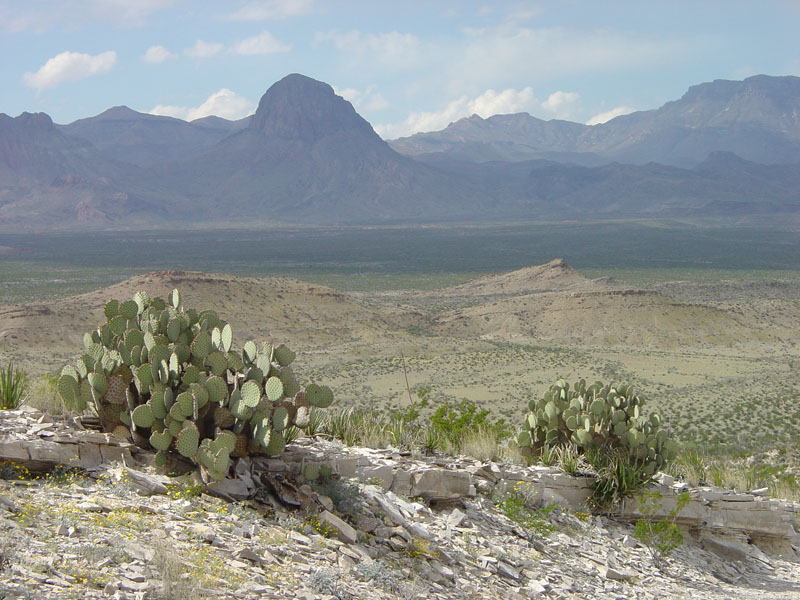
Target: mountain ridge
column 718, row 115
column 307, row 157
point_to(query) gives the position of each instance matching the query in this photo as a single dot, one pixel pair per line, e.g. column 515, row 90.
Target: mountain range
column 726, row 148
column 757, row 119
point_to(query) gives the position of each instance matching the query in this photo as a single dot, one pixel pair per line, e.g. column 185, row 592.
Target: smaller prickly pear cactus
column 598, row 416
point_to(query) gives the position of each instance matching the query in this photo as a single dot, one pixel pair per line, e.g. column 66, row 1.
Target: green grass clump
column 516, row 504
column 13, row 384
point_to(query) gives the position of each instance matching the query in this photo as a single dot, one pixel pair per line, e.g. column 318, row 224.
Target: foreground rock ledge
column 39, row 441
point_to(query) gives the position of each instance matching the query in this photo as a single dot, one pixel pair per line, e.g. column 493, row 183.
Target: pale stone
column 146, row 485
column 726, row 549
column 440, row 484
column 344, row 531
column 455, row 518
column 232, row 488
column 382, row 474
column 616, row 574
column 14, row 451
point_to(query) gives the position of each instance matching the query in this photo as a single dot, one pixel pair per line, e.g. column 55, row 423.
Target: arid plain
column 717, row 358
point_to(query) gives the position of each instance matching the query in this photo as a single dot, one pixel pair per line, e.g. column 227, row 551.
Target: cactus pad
column 188, row 439
column 274, row 389
column 251, row 394
column 283, row 356
column 142, row 416
column 201, row 345
column 320, row 396
column 161, row 441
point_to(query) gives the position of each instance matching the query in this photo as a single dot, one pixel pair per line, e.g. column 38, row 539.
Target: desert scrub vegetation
column 518, row 504
column 167, row 376
column 777, row 471
column 424, row 427
column 13, row 386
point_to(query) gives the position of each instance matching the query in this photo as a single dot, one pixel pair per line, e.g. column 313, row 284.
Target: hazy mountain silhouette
column 758, row 119
column 142, row 139
column 307, row 157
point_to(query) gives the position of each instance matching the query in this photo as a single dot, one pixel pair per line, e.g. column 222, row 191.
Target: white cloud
column 224, row 103
column 560, row 51
column 271, row 9
column 70, row 66
column 156, row 55
column 263, row 43
column 131, row 12
column 560, row 104
column 369, row 100
column 44, row 16
column 399, row 50
column 487, row 104
column 610, row 114
column 203, row 49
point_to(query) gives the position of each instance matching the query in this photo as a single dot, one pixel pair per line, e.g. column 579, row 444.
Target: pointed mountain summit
column 308, row 156
column 300, row 108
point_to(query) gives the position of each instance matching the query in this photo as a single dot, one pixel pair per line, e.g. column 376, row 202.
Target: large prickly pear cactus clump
column 170, row 378
column 598, row 416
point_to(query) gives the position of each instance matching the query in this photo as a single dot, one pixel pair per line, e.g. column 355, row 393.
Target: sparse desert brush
column 42, row 395
column 779, row 472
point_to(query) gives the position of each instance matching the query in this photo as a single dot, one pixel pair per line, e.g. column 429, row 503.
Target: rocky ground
column 118, row 531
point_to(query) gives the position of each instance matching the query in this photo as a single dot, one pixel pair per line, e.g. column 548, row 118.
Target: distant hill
column 49, row 180
column 125, row 135
column 555, row 303
column 307, row 157
column 556, row 275
column 757, row 119
column 279, row 309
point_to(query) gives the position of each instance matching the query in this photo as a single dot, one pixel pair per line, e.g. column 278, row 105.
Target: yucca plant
column 13, row 382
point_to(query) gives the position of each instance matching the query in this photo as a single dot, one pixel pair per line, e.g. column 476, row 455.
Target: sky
column 409, row 66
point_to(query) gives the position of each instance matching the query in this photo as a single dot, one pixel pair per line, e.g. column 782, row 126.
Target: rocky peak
column 300, row 108
column 26, row 122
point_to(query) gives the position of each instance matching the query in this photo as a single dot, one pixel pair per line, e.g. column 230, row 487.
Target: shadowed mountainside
column 141, row 139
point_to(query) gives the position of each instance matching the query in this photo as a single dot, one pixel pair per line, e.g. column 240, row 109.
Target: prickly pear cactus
column 598, row 416
column 170, row 376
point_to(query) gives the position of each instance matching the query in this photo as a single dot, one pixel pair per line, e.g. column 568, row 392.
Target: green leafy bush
column 168, row 377
column 660, row 536
column 13, row 383
column 515, row 503
column 455, row 421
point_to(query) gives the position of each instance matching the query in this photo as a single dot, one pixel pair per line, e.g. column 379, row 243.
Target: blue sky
column 406, row 66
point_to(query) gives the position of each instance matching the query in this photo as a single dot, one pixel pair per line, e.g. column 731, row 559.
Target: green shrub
column 516, row 505
column 617, row 476
column 168, row 376
column 454, row 422
column 13, row 383
column 661, row 536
